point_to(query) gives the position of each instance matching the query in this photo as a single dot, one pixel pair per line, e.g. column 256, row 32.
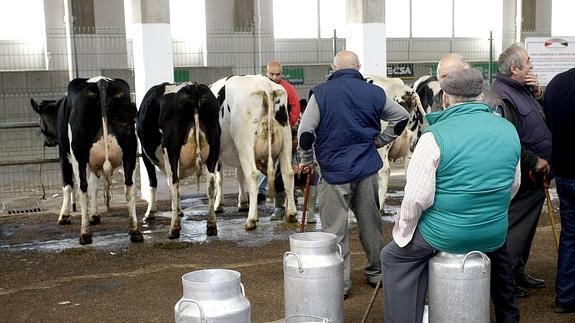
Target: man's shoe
column 564, row 309
column 279, row 214
column 527, row 281
column 521, row 292
column 261, row 198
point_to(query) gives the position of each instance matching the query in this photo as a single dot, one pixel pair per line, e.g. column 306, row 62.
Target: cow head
column 48, row 111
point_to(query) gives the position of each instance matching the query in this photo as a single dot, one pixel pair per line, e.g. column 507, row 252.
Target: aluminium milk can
column 213, row 295
column 313, row 277
column 459, row 287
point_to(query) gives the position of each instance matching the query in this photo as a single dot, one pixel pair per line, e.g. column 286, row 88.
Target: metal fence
column 27, row 169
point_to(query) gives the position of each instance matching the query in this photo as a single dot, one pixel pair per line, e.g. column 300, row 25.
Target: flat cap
column 467, row 83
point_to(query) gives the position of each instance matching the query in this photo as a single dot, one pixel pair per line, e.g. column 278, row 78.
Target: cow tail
column 107, row 167
column 198, row 148
column 271, row 168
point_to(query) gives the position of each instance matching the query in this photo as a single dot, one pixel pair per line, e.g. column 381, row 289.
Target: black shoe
column 527, row 281
column 564, row 309
column 521, row 292
column 261, row 198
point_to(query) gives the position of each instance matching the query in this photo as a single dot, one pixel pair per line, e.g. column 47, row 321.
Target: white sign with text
column 550, row 56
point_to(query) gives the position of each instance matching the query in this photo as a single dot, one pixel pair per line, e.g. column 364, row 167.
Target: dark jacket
column 351, row 112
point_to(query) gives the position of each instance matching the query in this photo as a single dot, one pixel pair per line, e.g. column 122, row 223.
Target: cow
column 95, row 132
column 255, row 131
column 404, row 144
column 427, row 88
column 179, row 132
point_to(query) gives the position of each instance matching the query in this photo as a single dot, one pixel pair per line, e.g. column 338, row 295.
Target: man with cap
column 462, row 175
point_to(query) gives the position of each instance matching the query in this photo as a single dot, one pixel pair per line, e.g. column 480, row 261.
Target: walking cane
column 550, row 214
column 371, row 303
column 305, row 202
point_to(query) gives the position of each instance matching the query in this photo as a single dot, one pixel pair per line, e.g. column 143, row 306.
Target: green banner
column 294, row 75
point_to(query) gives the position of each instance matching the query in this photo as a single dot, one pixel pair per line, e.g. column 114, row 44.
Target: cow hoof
column 149, row 218
column 219, row 209
column 64, row 220
column 85, row 239
column 181, row 214
column 291, row 218
column 136, row 236
column 174, row 234
column 212, row 230
column 95, row 219
column 250, row 225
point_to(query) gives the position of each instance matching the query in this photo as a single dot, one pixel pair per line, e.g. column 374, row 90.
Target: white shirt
column 419, row 192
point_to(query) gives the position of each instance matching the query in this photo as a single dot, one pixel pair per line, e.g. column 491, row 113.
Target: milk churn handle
column 339, row 249
column 484, row 256
column 202, row 316
column 299, row 265
column 243, row 290
column 323, row 319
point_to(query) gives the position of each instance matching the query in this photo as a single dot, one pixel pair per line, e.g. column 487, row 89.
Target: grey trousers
column 405, row 278
column 524, row 212
column 362, row 198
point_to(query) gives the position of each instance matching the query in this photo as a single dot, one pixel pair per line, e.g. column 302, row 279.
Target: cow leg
column 93, row 195
column 129, row 163
column 219, row 180
column 80, row 173
column 65, row 211
column 243, row 202
column 285, row 158
column 67, row 188
column 383, row 177
column 171, row 165
column 250, row 173
column 150, row 169
column 212, row 227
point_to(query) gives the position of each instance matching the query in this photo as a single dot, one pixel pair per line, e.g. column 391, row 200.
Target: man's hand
column 542, row 166
column 306, row 168
column 532, row 81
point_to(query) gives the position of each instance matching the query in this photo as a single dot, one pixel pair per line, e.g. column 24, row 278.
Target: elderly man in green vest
column 462, row 175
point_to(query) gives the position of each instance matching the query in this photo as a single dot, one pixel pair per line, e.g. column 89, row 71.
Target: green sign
column 294, row 75
column 181, row 75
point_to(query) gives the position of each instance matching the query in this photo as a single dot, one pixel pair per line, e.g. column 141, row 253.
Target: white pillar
column 153, row 63
column 366, row 34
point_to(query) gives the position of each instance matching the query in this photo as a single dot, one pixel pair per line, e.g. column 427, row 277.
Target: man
column 342, row 126
column 274, row 71
column 560, row 106
column 457, row 193
column 522, row 95
column 448, row 63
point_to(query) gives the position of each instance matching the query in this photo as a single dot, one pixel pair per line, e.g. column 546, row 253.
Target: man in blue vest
column 462, row 175
column 342, row 126
column 522, row 95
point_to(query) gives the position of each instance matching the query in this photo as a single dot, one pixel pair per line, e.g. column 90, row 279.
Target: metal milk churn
column 214, row 296
column 459, row 287
column 313, row 277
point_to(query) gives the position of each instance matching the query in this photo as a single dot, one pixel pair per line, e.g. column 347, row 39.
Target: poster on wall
column 550, row 56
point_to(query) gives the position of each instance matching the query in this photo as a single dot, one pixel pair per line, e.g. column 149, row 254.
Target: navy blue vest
column 350, row 113
column 533, row 131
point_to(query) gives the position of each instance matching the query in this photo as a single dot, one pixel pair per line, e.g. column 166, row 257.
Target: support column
column 153, row 62
column 366, row 34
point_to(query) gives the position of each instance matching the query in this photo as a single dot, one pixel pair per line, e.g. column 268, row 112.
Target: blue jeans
column 565, row 284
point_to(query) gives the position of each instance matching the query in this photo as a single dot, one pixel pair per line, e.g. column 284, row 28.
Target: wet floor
column 111, row 235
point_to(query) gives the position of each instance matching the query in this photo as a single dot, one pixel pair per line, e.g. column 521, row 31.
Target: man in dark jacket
column 342, row 126
column 522, row 96
column 560, row 106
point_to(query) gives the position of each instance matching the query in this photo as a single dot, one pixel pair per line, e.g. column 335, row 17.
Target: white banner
column 550, row 56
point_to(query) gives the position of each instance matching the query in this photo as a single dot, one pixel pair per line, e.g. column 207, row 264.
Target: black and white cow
column 255, row 131
column 404, row 144
column 179, row 132
column 427, row 88
column 95, row 133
